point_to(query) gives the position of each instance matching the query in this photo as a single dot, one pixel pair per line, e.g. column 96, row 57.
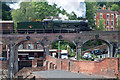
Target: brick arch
column 51, row 42
column 105, row 41
column 17, row 43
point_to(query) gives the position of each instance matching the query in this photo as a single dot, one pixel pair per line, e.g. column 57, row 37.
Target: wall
column 107, row 67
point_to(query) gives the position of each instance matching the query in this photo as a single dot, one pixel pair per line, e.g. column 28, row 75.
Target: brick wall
column 0, row 50
column 106, row 67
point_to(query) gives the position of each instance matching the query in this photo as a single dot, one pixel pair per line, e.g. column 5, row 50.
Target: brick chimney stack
column 104, row 7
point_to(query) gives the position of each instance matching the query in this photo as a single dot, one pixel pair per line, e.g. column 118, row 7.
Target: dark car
column 96, row 52
column 3, row 59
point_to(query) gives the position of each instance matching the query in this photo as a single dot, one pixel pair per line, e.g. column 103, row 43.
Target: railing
column 38, row 31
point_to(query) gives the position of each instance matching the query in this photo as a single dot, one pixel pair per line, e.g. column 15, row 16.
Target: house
column 109, row 18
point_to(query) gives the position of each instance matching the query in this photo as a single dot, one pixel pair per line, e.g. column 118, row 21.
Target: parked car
column 64, row 54
column 86, row 55
column 3, row 59
column 96, row 52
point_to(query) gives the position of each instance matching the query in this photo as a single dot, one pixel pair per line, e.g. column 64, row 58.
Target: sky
column 78, row 6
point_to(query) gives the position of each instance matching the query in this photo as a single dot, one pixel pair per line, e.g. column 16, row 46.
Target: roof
column 107, row 11
column 6, row 21
column 26, row 50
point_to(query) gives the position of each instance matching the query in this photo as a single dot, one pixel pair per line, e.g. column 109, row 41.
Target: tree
column 118, row 23
column 72, row 16
column 114, row 7
column 63, row 45
column 101, row 24
column 6, row 14
column 90, row 13
column 30, row 11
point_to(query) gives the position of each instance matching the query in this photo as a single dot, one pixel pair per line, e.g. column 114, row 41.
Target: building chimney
column 109, row 8
column 104, row 7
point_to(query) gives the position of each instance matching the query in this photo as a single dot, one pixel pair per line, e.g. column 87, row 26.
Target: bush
column 118, row 55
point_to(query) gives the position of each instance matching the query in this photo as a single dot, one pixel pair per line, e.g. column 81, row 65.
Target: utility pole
column 10, row 66
column 59, row 49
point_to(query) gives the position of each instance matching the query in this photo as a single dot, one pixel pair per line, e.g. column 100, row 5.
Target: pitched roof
column 106, row 11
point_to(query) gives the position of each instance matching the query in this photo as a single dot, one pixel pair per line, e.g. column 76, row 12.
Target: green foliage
column 6, row 14
column 101, row 25
column 91, row 44
column 73, row 16
column 114, row 7
column 118, row 55
column 72, row 55
column 30, row 11
column 63, row 45
column 90, row 13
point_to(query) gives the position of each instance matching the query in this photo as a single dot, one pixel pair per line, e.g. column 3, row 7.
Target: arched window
column 39, row 46
column 21, row 46
column 30, row 46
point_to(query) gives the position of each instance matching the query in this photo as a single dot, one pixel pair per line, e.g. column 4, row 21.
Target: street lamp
column 59, row 49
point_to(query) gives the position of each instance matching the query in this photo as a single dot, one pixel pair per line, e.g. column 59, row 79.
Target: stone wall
column 107, row 67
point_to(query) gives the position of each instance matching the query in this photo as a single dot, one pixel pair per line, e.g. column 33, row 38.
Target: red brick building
column 109, row 18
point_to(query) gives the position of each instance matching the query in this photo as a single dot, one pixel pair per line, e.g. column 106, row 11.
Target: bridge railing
column 39, row 31
column 32, row 31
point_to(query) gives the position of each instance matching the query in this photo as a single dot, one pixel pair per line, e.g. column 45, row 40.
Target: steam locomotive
column 52, row 26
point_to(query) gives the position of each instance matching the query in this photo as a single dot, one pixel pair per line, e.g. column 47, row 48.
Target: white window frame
column 108, row 15
column 108, row 22
column 20, row 46
column 111, row 22
column 112, row 28
column 112, row 15
column 39, row 46
column 107, row 28
column 101, row 15
column 30, row 46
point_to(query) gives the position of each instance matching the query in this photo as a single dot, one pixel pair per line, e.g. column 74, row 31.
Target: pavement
column 62, row 74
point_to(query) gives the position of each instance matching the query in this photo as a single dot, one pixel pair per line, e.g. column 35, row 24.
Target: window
column 112, row 28
column 107, row 28
column 112, row 22
column 112, row 15
column 107, row 15
column 107, row 22
column 39, row 46
column 100, row 15
column 21, row 46
column 30, row 46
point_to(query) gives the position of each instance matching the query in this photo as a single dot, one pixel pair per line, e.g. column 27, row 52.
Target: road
column 62, row 74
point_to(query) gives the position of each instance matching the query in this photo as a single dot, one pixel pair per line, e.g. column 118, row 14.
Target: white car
column 64, row 56
column 86, row 55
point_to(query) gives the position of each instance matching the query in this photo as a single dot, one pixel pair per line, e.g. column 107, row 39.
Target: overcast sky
column 78, row 6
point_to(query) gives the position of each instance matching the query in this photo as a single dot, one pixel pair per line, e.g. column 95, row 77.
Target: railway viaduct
column 111, row 38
